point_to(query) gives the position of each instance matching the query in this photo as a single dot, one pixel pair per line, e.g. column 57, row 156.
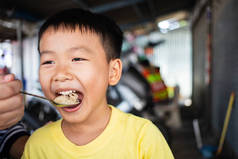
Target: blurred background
column 180, row 66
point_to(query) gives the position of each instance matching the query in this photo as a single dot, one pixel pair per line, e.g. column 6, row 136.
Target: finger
column 11, row 104
column 11, row 122
column 9, row 77
column 10, row 89
column 1, row 77
column 10, row 118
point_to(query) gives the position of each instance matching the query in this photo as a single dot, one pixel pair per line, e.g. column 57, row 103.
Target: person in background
column 80, row 54
column 152, row 75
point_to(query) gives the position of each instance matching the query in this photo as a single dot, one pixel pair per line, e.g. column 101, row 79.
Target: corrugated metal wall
column 174, row 58
column 225, row 67
column 199, row 32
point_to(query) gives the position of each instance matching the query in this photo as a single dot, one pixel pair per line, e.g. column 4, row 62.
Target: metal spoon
column 51, row 101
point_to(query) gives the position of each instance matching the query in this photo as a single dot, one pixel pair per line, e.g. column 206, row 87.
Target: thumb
column 6, row 78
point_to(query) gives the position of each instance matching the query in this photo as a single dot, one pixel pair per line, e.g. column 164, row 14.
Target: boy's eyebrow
column 76, row 48
column 72, row 49
column 45, row 52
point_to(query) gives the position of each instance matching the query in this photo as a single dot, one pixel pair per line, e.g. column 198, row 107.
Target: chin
column 72, row 118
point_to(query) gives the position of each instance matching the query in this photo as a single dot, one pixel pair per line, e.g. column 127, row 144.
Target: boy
column 79, row 52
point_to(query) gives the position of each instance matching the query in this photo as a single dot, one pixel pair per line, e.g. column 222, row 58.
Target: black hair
column 142, row 60
column 84, row 20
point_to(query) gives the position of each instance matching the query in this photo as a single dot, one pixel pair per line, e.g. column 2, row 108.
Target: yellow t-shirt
column 125, row 137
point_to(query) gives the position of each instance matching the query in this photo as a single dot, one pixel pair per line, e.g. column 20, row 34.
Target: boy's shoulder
column 138, row 128
column 49, row 126
column 131, row 120
column 128, row 116
column 45, row 132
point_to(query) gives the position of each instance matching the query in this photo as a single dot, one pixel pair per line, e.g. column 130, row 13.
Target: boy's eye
column 77, row 59
column 48, row 62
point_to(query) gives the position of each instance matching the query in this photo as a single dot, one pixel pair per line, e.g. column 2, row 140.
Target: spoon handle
column 51, row 101
column 23, row 92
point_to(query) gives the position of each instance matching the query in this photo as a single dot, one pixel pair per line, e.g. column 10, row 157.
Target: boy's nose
column 62, row 75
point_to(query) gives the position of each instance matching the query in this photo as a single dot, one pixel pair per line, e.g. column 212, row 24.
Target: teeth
column 67, row 92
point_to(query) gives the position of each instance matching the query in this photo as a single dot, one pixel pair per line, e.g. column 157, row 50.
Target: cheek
column 94, row 78
column 44, row 81
column 92, row 73
column 98, row 84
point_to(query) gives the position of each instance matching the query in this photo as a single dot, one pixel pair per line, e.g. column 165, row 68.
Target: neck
column 83, row 133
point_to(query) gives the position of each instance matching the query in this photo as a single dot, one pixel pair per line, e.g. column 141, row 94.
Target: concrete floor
column 183, row 143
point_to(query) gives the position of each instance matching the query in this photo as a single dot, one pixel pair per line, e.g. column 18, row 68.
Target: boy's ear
column 115, row 69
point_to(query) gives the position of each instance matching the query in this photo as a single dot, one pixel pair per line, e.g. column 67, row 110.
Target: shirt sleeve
column 25, row 154
column 32, row 149
column 153, row 144
column 9, row 136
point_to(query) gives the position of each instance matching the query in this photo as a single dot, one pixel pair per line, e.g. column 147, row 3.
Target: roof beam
column 114, row 5
column 151, row 7
column 136, row 23
column 82, row 4
column 137, row 11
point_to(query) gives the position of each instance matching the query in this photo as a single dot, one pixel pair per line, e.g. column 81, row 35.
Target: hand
column 11, row 101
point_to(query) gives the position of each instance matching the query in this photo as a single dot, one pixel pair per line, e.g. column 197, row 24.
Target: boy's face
column 75, row 60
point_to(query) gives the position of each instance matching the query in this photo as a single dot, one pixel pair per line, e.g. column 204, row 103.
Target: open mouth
column 69, row 100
